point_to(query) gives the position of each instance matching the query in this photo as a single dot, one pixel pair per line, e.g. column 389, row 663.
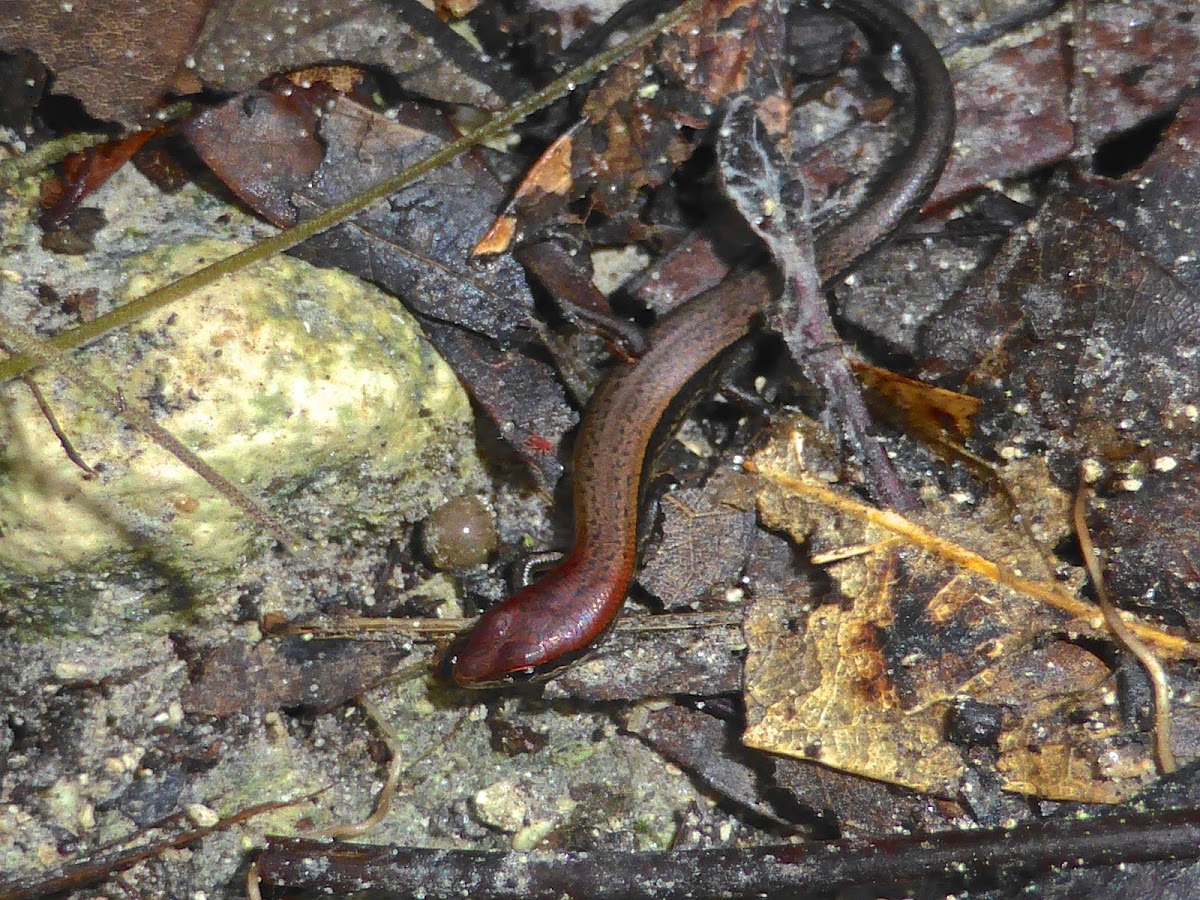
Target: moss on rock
column 310, row 389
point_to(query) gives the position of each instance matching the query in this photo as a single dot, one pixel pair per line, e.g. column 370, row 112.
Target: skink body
column 559, row 618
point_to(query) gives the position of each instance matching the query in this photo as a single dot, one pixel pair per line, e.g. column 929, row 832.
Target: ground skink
column 553, row 622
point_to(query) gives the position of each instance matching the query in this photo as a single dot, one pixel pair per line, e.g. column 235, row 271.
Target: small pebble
column 460, row 534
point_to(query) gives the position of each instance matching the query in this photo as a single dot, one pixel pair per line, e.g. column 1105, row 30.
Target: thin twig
column 430, row 630
column 494, row 127
column 94, row 867
column 813, row 868
column 427, row 629
column 52, row 421
column 382, row 805
column 1130, row 641
column 396, row 769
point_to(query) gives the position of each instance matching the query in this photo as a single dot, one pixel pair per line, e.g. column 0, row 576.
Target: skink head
column 542, row 628
column 526, row 638
column 498, row 650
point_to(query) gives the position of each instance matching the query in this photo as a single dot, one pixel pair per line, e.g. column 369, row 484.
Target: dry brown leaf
column 245, row 40
column 117, row 58
column 865, row 684
column 923, row 407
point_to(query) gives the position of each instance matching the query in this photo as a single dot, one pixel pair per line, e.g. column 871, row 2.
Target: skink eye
column 506, row 679
column 523, row 676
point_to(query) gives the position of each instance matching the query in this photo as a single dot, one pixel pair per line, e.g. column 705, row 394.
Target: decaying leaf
column 1013, row 115
column 1153, row 541
column 263, row 146
column 706, row 534
column 866, row 680
column 1080, row 343
column 246, row 40
column 1068, row 740
column 1158, row 206
column 647, row 116
column 864, row 807
column 243, row 679
column 823, row 699
column 702, row 744
column 22, row 80
column 1133, row 62
column 924, row 408
column 1083, row 339
column 772, row 199
column 118, row 58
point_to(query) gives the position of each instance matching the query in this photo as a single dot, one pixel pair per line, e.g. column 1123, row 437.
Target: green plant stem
column 33, row 161
column 323, row 221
